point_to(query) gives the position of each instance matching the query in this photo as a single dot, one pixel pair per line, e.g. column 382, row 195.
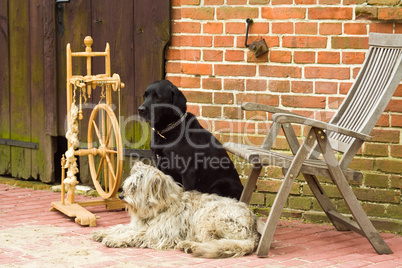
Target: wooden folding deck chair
column 349, row 128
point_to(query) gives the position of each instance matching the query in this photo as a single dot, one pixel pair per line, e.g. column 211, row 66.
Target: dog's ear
column 178, row 99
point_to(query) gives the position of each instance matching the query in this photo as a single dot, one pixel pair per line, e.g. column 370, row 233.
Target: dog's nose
column 121, row 196
column 141, row 109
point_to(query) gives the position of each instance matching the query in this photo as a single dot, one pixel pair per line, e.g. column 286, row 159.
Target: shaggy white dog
column 163, row 216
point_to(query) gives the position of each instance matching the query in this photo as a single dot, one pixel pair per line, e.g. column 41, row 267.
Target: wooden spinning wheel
column 104, row 144
column 106, row 162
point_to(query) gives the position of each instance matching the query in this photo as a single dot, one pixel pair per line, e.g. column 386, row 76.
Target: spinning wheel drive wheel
column 106, row 161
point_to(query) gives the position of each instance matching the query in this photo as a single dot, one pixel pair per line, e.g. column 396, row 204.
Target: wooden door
column 33, row 72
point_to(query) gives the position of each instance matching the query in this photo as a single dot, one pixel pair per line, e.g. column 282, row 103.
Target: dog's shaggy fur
column 163, row 216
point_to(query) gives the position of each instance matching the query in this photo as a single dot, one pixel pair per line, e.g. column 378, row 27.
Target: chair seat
column 257, row 155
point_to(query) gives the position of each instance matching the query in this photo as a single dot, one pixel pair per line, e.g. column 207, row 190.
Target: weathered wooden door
column 34, row 35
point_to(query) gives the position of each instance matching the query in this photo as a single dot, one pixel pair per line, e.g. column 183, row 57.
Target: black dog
column 182, row 148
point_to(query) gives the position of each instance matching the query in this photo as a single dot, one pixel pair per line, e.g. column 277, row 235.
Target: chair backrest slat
column 373, row 88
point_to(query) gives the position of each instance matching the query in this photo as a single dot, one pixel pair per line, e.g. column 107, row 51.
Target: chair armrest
column 251, row 106
column 298, row 119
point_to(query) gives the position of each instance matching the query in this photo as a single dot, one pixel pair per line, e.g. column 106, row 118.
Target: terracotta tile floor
column 33, row 236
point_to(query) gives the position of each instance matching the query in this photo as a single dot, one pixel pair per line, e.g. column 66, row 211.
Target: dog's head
column 148, row 191
column 163, row 101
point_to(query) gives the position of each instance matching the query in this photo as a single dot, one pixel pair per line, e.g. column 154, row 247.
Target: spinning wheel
column 105, row 162
column 105, row 150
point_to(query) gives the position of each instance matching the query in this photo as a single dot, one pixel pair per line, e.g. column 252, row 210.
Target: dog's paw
column 185, row 246
column 99, row 235
column 111, row 243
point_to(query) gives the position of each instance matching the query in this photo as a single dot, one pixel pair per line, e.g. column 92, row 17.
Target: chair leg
column 367, row 228
column 283, row 193
column 250, row 184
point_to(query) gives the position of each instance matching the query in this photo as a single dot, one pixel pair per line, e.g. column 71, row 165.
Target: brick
column 305, row 2
column 213, row 55
column 212, row 28
column 355, row 28
column 280, row 71
column 173, row 67
column 213, row 2
column 304, row 41
column 306, row 28
column 378, row 27
column 302, row 86
column 279, row 86
column 198, row 96
column 272, row 41
column 394, row 105
column 300, row 101
column 304, row 57
column 297, row 202
column 190, row 82
column 374, row 209
column 227, row 13
column 389, row 165
column 383, row 121
column 394, row 211
column 212, row 83
column 340, row 73
column 375, row 149
column 335, row 13
column 354, row 2
column 202, row 13
column 325, row 87
column 283, row 13
column 282, row 27
column 235, row 70
column 212, row 111
column 256, row 85
column 396, row 150
column 335, row 102
column 280, row 56
column 328, row 57
column 353, row 57
column 329, row 2
column 396, row 181
column 260, row 98
column 258, row 2
column 190, row 2
column 383, row 2
column 376, row 180
column 191, row 41
column 385, row 135
column 186, row 27
column 223, row 98
column 366, row 13
column 257, row 199
column 234, row 55
column 330, row 28
column 183, row 54
column 258, row 28
column 349, row 42
column 362, row 164
column 223, row 41
column 389, row 13
column 233, row 84
column 196, row 68
column 377, row 195
column 236, row 2
column 274, row 185
column 281, row 2
column 235, row 28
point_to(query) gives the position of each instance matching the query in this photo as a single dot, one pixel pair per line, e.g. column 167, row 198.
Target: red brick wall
column 316, row 48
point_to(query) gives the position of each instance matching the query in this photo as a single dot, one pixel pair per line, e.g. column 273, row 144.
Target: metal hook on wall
column 257, row 47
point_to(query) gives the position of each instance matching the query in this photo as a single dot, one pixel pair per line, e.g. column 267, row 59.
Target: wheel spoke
column 97, row 132
column 99, row 168
column 111, row 151
column 107, row 137
column 111, row 168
